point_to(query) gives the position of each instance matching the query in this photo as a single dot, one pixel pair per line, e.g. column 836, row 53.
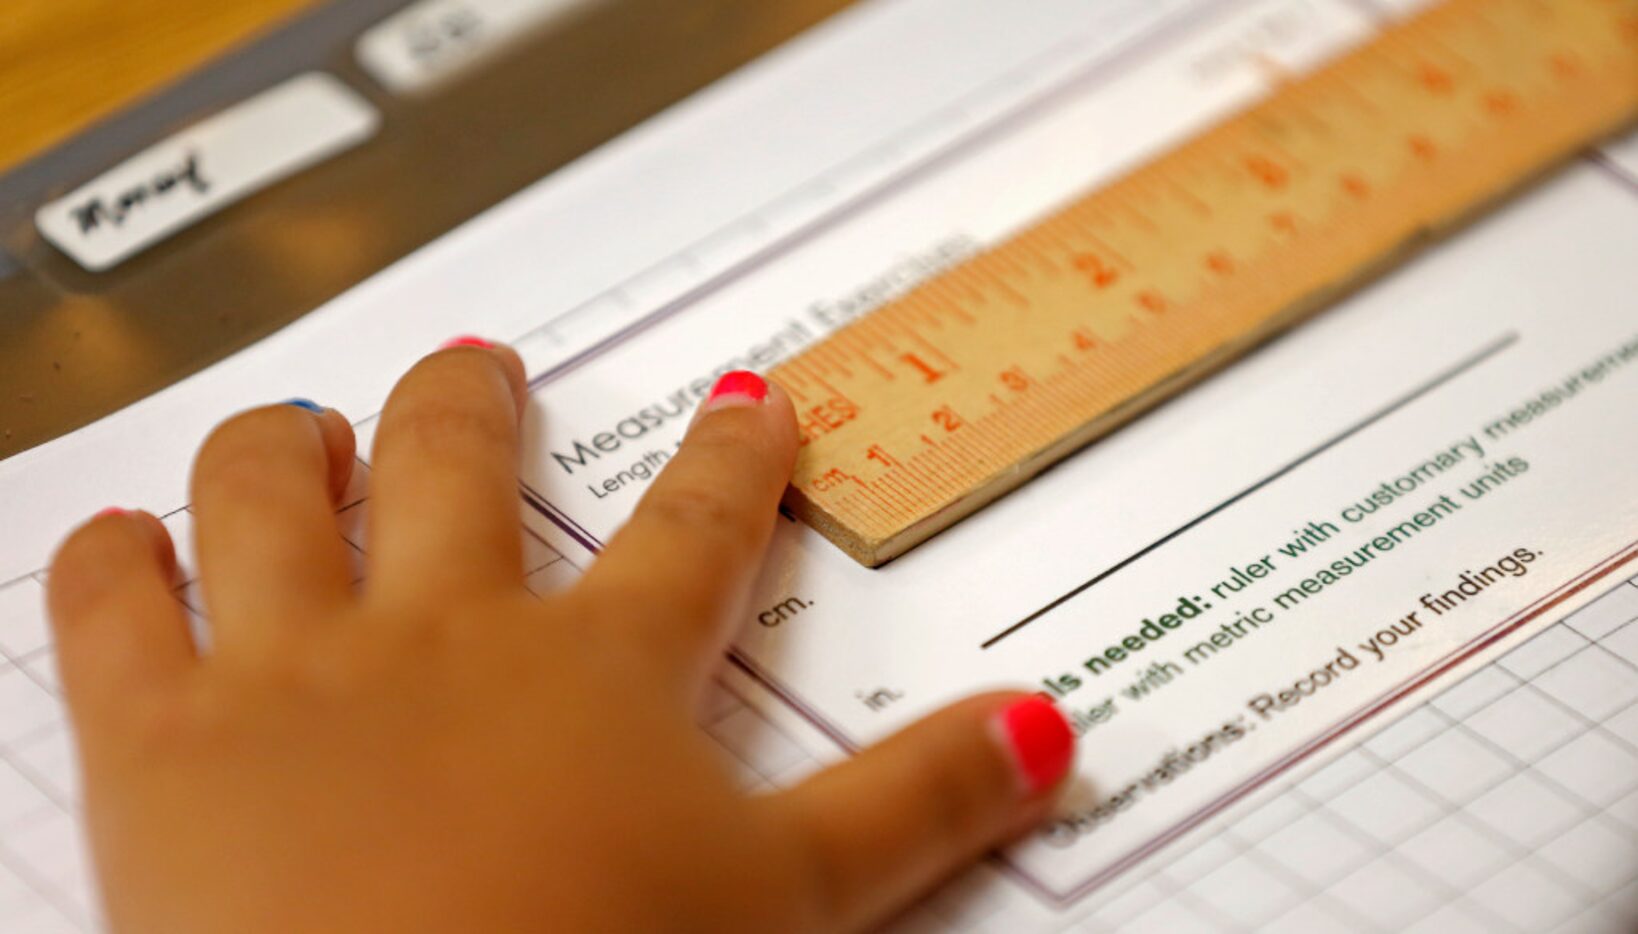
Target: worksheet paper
column 1349, row 631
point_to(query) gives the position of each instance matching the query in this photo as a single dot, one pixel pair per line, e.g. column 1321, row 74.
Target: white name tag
column 431, row 40
column 206, row 167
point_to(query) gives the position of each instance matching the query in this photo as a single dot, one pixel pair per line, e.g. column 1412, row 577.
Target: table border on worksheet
column 1395, row 695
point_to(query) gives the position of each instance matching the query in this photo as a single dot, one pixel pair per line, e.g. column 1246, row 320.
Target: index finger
column 681, row 569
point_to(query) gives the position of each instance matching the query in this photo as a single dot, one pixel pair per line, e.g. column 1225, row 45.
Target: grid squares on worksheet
column 45, row 885
column 45, row 880
column 1507, row 803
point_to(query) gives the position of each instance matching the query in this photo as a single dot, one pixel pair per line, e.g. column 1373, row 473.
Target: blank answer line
column 1473, row 360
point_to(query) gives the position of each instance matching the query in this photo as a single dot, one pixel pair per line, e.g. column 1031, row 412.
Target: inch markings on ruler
column 929, row 407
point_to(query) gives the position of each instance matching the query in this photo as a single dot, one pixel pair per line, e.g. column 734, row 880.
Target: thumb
column 884, row 827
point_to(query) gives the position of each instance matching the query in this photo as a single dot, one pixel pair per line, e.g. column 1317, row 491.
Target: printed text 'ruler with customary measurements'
column 929, row 407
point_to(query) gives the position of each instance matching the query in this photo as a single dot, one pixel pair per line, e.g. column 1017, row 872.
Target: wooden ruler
column 929, row 407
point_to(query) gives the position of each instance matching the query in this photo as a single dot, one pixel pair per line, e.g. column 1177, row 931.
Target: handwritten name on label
column 98, row 210
column 432, row 40
column 202, row 169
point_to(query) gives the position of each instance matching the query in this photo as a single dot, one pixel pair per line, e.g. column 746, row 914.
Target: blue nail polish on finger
column 307, row 404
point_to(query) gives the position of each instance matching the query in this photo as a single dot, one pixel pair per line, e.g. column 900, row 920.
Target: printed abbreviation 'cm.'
column 783, row 612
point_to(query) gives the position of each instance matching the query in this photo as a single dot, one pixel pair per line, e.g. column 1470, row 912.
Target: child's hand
column 444, row 753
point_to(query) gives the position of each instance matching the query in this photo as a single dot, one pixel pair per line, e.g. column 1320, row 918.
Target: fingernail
column 111, row 511
column 467, row 340
column 1039, row 740
column 307, row 404
column 737, row 389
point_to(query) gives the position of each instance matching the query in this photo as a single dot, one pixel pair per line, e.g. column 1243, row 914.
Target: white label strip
column 206, row 167
column 432, row 40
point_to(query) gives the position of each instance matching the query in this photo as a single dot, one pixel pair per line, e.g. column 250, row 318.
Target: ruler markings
column 926, row 463
column 906, row 482
column 926, row 314
column 1206, row 251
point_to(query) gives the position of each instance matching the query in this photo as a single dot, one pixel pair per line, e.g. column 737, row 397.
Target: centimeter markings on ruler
column 933, row 405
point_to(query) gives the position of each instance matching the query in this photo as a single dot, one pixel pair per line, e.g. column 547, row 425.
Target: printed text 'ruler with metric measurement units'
column 933, row 405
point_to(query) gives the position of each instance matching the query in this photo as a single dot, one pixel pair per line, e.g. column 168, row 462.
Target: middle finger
column 445, row 511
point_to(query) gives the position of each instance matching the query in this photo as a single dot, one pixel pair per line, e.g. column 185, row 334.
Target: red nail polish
column 467, row 340
column 1040, row 741
column 111, row 511
column 741, row 387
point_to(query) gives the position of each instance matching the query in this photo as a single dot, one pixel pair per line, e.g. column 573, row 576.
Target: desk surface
column 66, row 63
column 75, row 345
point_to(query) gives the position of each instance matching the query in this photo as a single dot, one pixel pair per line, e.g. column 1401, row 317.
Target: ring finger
column 264, row 490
